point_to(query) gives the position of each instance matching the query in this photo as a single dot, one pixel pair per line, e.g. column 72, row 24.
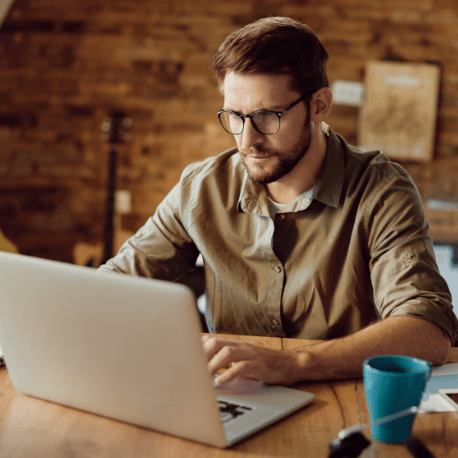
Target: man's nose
column 250, row 136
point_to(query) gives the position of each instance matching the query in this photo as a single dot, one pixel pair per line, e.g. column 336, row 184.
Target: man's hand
column 245, row 360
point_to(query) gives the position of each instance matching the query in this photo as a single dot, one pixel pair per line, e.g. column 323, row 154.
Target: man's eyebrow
column 278, row 108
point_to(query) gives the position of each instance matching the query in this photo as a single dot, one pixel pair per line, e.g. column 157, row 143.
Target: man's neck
column 284, row 194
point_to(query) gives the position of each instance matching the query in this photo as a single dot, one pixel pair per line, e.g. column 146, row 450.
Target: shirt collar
column 250, row 200
column 329, row 185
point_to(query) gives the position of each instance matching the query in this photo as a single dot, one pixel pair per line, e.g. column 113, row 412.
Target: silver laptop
column 124, row 347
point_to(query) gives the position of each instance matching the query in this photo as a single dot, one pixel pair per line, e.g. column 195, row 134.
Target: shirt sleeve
column 404, row 273
column 162, row 248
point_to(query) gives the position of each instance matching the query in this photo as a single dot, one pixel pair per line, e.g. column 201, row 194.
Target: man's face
column 268, row 158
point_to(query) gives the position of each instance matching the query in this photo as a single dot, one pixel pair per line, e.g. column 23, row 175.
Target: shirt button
column 408, row 256
column 275, row 321
column 277, row 269
column 281, row 217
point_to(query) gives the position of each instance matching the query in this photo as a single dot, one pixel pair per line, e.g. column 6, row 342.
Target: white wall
column 444, row 258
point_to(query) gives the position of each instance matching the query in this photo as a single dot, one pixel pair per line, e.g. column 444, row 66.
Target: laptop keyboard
column 229, row 411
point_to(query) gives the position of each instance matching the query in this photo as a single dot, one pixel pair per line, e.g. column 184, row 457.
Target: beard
column 283, row 162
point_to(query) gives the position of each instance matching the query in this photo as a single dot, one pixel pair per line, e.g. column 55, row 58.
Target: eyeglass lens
column 267, row 122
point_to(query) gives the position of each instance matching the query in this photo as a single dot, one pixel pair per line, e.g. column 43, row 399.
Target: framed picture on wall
column 399, row 112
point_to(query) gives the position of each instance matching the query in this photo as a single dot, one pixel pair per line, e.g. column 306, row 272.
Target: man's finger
column 213, row 345
column 227, row 356
column 237, row 370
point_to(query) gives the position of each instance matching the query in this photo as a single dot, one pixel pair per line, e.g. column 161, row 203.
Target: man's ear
column 321, row 104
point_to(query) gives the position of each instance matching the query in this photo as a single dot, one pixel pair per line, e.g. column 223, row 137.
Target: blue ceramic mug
column 394, row 383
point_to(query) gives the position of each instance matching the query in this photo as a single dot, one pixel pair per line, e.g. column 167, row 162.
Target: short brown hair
column 274, row 45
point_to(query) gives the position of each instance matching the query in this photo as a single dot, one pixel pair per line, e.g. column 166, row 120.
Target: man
column 301, row 234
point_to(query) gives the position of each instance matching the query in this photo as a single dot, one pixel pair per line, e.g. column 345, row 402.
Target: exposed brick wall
column 64, row 65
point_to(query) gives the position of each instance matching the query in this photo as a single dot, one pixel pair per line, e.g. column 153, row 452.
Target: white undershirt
column 275, row 206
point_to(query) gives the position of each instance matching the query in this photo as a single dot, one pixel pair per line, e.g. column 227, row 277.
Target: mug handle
column 430, row 368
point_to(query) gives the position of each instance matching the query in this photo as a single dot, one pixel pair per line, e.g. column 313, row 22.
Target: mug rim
column 426, row 364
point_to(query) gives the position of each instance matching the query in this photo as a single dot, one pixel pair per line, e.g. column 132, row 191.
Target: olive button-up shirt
column 320, row 268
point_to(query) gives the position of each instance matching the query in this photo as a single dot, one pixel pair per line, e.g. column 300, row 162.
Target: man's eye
column 270, row 115
column 260, row 117
column 264, row 116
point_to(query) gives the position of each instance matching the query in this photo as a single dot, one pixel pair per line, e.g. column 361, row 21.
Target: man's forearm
column 343, row 358
column 327, row 360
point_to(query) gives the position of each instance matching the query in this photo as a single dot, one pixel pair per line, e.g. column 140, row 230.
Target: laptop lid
column 123, row 347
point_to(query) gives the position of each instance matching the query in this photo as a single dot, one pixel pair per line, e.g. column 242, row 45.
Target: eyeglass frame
column 250, row 116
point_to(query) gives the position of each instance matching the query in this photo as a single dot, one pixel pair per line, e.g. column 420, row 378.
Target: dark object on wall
column 115, row 131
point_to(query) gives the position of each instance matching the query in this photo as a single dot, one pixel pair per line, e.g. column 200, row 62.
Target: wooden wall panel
column 66, row 65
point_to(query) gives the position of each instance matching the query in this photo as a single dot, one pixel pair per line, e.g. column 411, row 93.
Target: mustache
column 253, row 151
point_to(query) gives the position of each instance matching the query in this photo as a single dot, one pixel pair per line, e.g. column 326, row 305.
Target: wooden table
column 32, row 428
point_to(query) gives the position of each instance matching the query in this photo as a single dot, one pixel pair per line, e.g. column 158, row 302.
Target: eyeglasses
column 266, row 122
